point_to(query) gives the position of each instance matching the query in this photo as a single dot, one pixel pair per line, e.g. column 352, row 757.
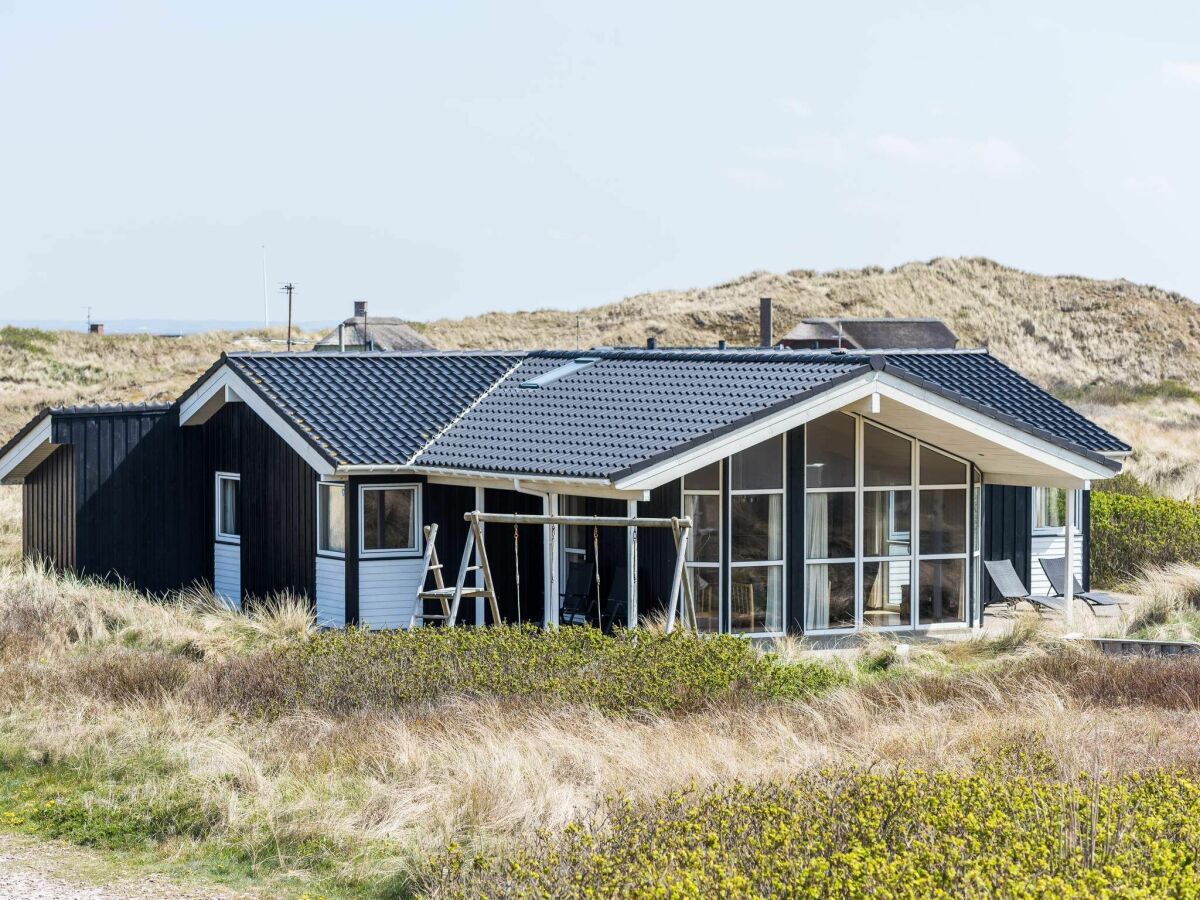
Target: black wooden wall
column 278, row 499
column 48, row 511
column 501, row 556
column 445, row 505
column 1007, row 532
column 656, row 549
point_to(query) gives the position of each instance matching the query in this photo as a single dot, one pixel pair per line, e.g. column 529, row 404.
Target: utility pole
column 287, row 289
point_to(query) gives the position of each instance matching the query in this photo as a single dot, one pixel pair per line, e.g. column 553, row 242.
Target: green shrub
column 1130, row 533
column 1009, row 829
column 356, row 669
column 26, row 340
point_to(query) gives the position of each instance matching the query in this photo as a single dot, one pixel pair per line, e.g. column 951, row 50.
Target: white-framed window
column 886, row 529
column 227, row 522
column 389, row 517
column 1050, row 510
column 331, row 518
column 756, row 539
column 702, row 502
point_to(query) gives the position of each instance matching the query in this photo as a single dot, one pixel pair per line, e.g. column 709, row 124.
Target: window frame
column 220, row 536
column 780, row 563
column 416, row 530
column 322, row 551
column 1051, row 530
column 719, row 564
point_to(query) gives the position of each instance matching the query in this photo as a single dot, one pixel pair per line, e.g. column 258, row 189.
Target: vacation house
column 820, row 491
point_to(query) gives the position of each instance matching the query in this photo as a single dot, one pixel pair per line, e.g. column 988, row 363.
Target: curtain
column 816, row 603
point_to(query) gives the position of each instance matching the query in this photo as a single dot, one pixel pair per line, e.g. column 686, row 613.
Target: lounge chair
column 1056, row 571
column 578, row 600
column 1013, row 590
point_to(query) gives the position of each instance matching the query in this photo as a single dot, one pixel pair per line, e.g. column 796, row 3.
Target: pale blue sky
column 451, row 158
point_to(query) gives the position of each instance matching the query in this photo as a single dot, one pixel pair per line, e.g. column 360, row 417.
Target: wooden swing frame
column 451, row 597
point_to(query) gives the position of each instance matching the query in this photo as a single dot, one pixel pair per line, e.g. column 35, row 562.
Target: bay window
column 331, row 518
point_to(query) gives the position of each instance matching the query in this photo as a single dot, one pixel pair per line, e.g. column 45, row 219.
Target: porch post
column 631, row 564
column 1069, row 560
column 479, row 617
column 550, row 581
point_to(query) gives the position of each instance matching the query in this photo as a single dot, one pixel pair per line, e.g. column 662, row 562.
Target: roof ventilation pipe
column 651, row 343
column 764, row 322
column 341, row 337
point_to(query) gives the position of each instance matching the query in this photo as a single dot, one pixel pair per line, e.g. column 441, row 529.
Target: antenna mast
column 287, row 289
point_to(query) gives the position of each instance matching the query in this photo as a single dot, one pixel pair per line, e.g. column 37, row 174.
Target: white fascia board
column 1075, row 468
column 541, row 484
column 1008, row 436
column 226, row 386
column 1056, row 481
column 756, row 432
column 29, row 451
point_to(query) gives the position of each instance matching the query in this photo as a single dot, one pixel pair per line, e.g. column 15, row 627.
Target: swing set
column 475, row 559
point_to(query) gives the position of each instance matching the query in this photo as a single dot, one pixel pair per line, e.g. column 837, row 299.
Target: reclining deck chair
column 1011, row 588
column 577, row 601
column 1056, row 571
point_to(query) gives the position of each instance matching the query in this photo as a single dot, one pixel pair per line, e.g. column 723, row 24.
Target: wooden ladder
column 451, row 597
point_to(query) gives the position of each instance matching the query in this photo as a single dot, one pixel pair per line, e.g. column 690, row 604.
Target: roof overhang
column 526, row 484
column 1003, row 451
column 226, row 385
column 27, row 453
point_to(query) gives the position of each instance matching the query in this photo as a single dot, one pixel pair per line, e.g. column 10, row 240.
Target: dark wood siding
column 1007, row 532
column 445, row 505
column 277, row 502
column 48, row 511
column 656, row 549
column 1086, row 525
column 501, row 556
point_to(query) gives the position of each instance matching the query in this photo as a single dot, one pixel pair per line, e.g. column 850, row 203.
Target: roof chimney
column 651, row 343
column 360, row 309
column 721, row 345
column 95, row 328
column 764, row 322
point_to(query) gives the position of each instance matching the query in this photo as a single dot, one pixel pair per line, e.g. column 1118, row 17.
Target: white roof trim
column 226, row 385
column 29, row 452
column 1070, row 468
column 583, row 487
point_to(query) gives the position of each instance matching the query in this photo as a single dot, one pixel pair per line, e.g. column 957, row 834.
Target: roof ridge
column 374, row 354
column 466, row 409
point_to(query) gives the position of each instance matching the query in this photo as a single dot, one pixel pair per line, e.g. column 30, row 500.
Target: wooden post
column 480, row 493
column 631, row 566
column 550, row 581
column 1069, row 558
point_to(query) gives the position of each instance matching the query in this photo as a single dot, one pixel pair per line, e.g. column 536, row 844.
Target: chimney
column 651, row 343
column 341, row 337
column 721, row 345
column 764, row 322
column 95, row 328
column 360, row 309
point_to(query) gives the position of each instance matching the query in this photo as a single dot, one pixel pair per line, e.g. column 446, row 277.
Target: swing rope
column 517, row 568
column 596, row 569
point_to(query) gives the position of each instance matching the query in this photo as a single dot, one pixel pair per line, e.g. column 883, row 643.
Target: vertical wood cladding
column 277, row 502
column 48, row 511
column 502, row 557
column 445, row 505
column 656, row 549
column 1007, row 532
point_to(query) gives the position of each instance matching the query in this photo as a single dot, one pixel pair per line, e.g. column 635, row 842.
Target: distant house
column 361, row 333
column 870, row 334
column 826, row 492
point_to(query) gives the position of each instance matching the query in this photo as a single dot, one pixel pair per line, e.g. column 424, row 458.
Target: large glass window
column 830, row 522
column 331, row 517
column 756, row 539
column 227, row 518
column 702, row 503
column 942, row 540
column 389, row 515
column 886, row 528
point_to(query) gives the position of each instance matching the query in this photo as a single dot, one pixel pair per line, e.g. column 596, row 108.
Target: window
column 756, row 539
column 331, row 518
column 942, row 539
column 389, row 516
column 830, row 522
column 227, row 518
column 1050, row 510
column 702, row 502
column 887, row 510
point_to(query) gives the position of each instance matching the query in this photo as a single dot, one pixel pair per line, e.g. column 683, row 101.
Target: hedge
column 1130, row 533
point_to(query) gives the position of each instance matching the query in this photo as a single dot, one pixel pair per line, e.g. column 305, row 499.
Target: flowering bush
column 355, row 669
column 1008, row 829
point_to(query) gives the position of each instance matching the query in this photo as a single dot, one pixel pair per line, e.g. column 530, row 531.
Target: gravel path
column 42, row 871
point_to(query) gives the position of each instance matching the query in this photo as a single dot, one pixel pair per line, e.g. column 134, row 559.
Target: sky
column 445, row 158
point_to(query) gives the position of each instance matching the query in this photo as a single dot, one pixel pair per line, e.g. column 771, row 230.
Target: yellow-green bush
column 355, row 669
column 1012, row 830
column 1130, row 533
